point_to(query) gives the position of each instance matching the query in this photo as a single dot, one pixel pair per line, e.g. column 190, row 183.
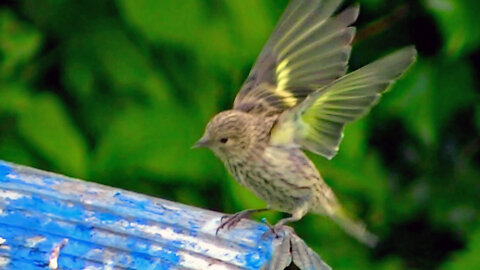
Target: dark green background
column 118, row 91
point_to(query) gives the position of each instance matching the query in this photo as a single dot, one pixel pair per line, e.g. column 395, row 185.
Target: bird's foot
column 276, row 229
column 229, row 221
column 280, row 227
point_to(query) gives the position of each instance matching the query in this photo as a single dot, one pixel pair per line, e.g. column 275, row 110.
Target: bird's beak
column 203, row 142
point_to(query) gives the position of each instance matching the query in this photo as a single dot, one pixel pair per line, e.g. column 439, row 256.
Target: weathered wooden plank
column 49, row 221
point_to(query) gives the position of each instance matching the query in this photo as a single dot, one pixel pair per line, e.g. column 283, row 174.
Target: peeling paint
column 109, row 228
column 4, row 261
column 5, row 194
column 119, row 228
column 34, row 241
column 53, row 260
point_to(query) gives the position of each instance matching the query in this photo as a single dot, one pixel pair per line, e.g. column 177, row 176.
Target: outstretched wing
column 317, row 123
column 307, row 50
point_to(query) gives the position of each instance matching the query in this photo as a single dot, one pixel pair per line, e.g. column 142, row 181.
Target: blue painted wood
column 49, row 221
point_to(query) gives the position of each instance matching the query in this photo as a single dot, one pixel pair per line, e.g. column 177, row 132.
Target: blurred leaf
column 79, row 77
column 45, row 125
column 458, row 20
column 128, row 69
column 154, row 142
column 112, row 56
column 62, row 19
column 372, row 4
column 18, row 43
column 468, row 258
column 454, row 89
column 427, row 98
column 225, row 37
column 189, row 196
column 252, row 25
column 412, row 95
column 354, row 143
column 14, row 150
column 167, row 21
column 459, row 186
column 14, row 98
column 477, row 117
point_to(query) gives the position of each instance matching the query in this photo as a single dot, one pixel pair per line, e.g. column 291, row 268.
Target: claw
column 275, row 230
column 218, row 229
column 229, row 222
column 223, row 218
column 278, row 229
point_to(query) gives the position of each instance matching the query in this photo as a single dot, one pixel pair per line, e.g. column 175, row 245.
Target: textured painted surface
column 49, row 221
column 105, row 228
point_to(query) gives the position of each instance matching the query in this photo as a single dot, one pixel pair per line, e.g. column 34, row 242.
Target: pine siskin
column 297, row 97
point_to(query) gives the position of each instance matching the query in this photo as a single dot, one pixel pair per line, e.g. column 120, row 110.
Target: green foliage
column 118, row 92
column 459, row 23
column 467, row 258
column 45, row 126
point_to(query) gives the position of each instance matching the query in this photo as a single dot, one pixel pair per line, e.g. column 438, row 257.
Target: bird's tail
column 356, row 229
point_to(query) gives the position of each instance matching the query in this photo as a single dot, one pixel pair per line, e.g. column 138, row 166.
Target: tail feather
column 355, row 229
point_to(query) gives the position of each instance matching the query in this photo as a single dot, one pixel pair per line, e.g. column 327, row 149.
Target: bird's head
column 228, row 134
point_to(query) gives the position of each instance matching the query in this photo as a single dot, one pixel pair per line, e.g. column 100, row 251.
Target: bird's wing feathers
column 317, row 123
column 306, row 51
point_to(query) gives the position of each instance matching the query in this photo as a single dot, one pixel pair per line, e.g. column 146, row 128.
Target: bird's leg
column 229, row 221
column 278, row 226
column 297, row 215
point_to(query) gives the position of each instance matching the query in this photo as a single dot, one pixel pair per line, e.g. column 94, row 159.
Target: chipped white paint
column 93, row 253
column 211, row 225
column 36, row 178
column 4, row 261
column 53, row 260
column 194, row 262
column 92, row 268
column 33, row 241
column 12, row 176
column 2, row 240
column 214, row 248
column 109, row 265
column 10, row 195
column 109, row 259
column 249, row 237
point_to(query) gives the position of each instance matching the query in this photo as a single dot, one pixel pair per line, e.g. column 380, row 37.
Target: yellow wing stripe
column 282, row 72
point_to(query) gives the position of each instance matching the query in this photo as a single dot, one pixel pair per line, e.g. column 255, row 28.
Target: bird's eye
column 224, row 140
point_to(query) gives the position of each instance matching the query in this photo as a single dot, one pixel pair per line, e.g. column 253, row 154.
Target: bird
column 298, row 97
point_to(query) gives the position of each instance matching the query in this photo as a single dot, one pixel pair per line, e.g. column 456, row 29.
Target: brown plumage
column 298, row 97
